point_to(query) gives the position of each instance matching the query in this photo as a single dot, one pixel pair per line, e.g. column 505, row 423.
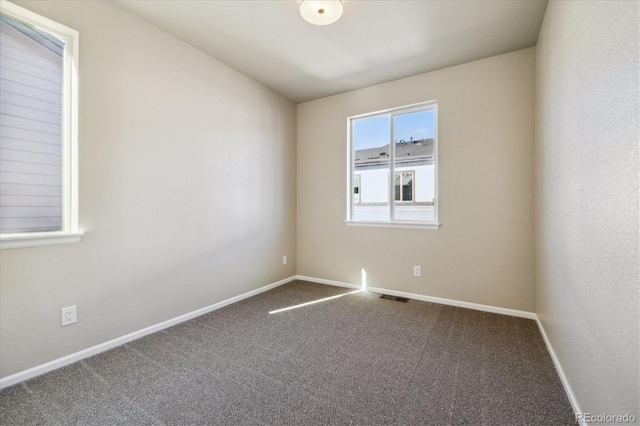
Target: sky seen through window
column 374, row 132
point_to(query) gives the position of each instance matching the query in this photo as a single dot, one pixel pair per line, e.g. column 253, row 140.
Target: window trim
column 393, row 223
column 70, row 232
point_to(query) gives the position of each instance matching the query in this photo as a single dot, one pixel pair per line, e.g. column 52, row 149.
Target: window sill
column 39, row 239
column 411, row 225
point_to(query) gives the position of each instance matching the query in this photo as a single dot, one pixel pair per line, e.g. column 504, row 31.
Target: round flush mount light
column 321, row 12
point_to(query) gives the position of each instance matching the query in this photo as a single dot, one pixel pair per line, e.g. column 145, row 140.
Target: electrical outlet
column 69, row 315
column 284, row 259
column 416, row 271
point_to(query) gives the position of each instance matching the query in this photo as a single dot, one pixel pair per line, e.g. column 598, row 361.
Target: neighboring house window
column 393, row 167
column 356, row 188
column 404, row 186
column 38, row 130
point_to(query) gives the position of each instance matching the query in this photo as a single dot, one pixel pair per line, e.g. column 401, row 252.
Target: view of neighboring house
column 414, row 182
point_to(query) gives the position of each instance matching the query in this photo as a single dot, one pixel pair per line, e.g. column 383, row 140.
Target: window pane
column 414, row 166
column 370, row 137
column 31, row 129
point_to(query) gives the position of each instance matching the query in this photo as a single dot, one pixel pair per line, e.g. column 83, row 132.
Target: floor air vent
column 395, row 298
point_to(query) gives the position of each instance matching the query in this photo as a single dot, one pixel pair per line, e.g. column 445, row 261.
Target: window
column 38, row 130
column 393, row 167
column 404, row 186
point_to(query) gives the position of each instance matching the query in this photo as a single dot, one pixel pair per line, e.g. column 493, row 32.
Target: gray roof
column 420, row 149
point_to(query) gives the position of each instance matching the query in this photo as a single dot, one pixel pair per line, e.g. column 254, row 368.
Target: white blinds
column 31, row 79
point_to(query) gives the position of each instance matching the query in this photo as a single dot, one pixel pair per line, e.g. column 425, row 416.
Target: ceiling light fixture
column 321, row 12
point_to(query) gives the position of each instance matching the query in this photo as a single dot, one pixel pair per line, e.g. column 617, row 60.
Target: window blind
column 31, row 94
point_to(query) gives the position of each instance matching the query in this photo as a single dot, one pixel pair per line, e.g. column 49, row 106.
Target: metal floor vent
column 395, row 298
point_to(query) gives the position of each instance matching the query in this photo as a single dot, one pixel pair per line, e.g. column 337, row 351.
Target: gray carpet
column 356, row 359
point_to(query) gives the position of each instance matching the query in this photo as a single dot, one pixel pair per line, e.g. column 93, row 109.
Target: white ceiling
column 375, row 41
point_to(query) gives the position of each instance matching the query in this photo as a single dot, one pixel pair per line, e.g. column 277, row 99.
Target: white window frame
column 70, row 232
column 393, row 223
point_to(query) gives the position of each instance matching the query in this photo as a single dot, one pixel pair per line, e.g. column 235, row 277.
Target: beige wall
column 187, row 192
column 587, row 198
column 483, row 252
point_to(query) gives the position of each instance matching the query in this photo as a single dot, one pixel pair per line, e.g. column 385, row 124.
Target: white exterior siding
column 409, row 212
column 373, row 202
column 424, row 184
column 374, row 184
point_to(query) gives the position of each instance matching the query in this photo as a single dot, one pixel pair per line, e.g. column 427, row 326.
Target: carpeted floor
column 355, row 359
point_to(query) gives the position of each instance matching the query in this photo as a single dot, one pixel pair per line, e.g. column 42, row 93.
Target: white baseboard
column 439, row 300
column 77, row 356
column 328, row 282
column 563, row 378
column 85, row 353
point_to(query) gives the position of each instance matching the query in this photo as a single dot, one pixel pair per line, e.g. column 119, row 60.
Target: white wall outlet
column 69, row 315
column 284, row 259
column 416, row 271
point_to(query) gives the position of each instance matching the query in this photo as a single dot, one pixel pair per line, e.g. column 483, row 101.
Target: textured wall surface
column 587, row 198
column 483, row 252
column 187, row 192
